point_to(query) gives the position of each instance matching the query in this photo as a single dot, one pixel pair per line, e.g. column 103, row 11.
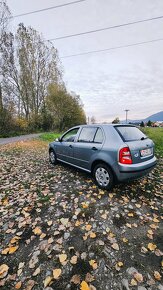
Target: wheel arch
column 99, row 161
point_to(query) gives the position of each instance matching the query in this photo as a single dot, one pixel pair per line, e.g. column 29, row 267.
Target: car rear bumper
column 134, row 171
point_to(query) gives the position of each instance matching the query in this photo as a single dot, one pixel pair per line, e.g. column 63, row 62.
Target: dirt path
column 4, row 141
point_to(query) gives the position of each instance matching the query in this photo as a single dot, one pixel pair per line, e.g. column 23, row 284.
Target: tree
column 142, row 124
column 28, row 70
column 116, row 121
column 149, row 123
column 4, row 19
column 66, row 109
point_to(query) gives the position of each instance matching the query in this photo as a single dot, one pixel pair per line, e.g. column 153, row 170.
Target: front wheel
column 52, row 157
column 103, row 176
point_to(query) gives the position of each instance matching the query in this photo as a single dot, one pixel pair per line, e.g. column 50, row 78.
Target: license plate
column 146, row 152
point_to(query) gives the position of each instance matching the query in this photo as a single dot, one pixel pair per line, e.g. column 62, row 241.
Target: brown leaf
column 3, row 270
column 57, row 273
column 157, row 275
column 75, row 279
column 138, row 277
column 18, row 285
column 115, row 246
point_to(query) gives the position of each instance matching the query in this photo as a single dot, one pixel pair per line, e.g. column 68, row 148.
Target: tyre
column 103, row 176
column 52, row 157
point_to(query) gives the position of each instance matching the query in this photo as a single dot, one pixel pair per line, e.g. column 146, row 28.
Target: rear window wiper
column 143, row 138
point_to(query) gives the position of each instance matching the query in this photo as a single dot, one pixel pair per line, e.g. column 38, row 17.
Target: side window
column 70, row 135
column 87, row 134
column 99, row 136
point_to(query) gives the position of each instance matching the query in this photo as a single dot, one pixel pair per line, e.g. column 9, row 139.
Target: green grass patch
column 156, row 134
column 49, row 137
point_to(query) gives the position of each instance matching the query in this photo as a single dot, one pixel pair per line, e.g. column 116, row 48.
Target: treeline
column 33, row 95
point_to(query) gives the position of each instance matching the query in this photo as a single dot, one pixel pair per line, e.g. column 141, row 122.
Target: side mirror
column 59, row 139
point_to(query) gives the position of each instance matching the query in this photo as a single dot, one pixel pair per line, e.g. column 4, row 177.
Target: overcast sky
column 110, row 82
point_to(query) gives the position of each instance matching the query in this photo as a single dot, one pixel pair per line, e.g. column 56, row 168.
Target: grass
column 49, row 137
column 156, row 134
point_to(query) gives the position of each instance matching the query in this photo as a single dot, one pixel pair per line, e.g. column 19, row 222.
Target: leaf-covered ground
column 59, row 231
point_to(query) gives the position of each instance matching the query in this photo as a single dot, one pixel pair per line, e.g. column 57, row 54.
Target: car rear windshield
column 129, row 133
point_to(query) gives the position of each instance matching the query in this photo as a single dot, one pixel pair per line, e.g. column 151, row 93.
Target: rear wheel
column 103, row 176
column 52, row 157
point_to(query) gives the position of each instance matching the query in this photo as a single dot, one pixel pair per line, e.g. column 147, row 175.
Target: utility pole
column 126, row 114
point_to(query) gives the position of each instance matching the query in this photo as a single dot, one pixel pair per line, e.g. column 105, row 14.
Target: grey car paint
column 85, row 155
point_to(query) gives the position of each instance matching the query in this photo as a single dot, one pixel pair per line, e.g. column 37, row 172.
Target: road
column 4, row 141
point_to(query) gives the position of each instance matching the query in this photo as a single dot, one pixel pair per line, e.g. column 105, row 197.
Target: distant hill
column 154, row 118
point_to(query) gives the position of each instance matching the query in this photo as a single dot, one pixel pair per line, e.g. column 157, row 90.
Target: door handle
column 70, row 146
column 94, row 148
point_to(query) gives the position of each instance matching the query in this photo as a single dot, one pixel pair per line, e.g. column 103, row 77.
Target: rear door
column 141, row 147
column 88, row 145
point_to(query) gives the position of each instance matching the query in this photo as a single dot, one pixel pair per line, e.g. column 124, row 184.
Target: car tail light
column 125, row 156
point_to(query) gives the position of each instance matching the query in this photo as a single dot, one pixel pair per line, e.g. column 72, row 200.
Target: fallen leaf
column 152, row 247
column 30, row 284
column 115, row 246
column 62, row 258
column 92, row 235
column 133, row 282
column 3, row 270
column 47, row 281
column 157, row 275
column 93, row 264
column 89, row 278
column 37, row 231
column 18, row 285
column 74, row 260
column 13, row 249
column 84, row 286
column 36, row 272
column 88, row 227
column 75, row 279
column 56, row 273
column 138, row 277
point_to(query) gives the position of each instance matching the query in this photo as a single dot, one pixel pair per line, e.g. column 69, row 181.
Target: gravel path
column 4, row 141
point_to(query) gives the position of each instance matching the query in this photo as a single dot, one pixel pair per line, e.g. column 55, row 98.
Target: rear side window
column 87, row 134
column 130, row 133
column 99, row 136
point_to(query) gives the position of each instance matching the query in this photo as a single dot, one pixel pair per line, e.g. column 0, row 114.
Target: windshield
column 129, row 133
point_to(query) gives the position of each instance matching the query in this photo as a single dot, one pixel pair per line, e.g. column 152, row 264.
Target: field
column 59, row 231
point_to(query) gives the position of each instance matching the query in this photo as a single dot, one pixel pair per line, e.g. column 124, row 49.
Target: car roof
column 105, row 125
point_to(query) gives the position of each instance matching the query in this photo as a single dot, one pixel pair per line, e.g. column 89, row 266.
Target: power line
column 112, row 48
column 48, row 8
column 107, row 28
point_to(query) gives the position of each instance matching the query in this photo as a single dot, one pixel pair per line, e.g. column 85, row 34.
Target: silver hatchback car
column 110, row 152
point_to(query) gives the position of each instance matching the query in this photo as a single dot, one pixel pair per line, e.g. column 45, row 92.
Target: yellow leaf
column 153, row 226
column 84, row 286
column 152, row 247
column 88, row 227
column 74, row 260
column 150, row 232
column 42, row 236
column 47, row 281
column 57, row 273
column 120, row 264
column 77, row 223
column 13, row 249
column 92, row 235
column 162, row 263
column 93, row 264
column 115, row 246
column 155, row 220
column 62, row 258
column 133, row 282
column 157, row 275
column 18, row 285
column 130, row 214
column 138, row 277
column 14, row 240
column 129, row 225
column 3, row 270
column 84, row 205
column 125, row 240
column 37, row 231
